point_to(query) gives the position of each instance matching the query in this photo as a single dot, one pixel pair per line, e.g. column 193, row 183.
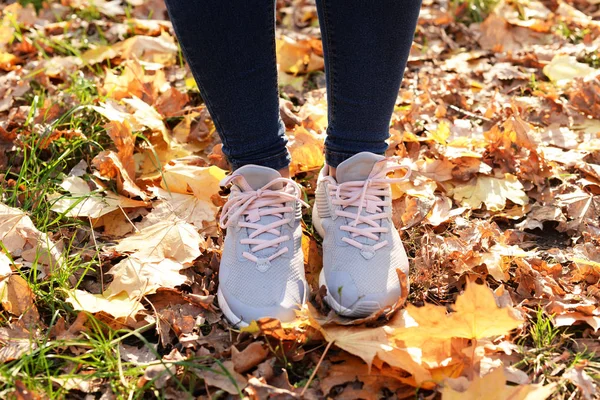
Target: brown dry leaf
column 173, row 238
column 411, row 210
column 298, row 56
column 22, row 239
column 476, row 316
column 493, row 387
column 15, row 342
column 85, row 203
column 121, row 135
column 18, row 299
column 171, row 102
column 140, row 276
column 496, row 35
column 348, row 369
column 582, row 380
column 119, row 306
column 109, row 166
column 257, row 389
column 223, row 376
column 442, row 211
column 491, row 192
column 160, row 50
column 306, row 150
column 250, row 357
column 585, row 96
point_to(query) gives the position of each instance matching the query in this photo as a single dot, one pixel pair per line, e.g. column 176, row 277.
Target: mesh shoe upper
column 361, row 247
column 262, row 266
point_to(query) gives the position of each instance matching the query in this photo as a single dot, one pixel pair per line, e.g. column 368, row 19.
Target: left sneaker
column 361, row 247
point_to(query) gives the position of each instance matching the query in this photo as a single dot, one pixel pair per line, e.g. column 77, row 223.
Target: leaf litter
column 109, row 185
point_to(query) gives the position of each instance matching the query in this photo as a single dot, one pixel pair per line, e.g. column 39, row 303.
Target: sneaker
column 361, row 247
column 262, row 266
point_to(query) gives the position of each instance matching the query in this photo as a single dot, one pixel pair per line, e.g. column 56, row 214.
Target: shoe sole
column 233, row 319
column 236, row 321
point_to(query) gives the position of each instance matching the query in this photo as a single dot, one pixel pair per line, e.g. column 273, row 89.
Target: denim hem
column 335, row 158
column 277, row 162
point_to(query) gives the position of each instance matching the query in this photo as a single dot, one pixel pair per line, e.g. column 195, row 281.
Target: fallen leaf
column 493, row 387
column 174, row 239
column 476, row 316
column 563, row 69
column 306, row 150
column 119, row 306
column 140, row 276
column 248, row 358
column 491, row 192
column 85, row 203
column 582, row 380
column 18, row 235
column 203, row 182
column 223, row 376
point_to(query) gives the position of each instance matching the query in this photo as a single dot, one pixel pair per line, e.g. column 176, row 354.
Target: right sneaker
column 262, row 265
column 363, row 255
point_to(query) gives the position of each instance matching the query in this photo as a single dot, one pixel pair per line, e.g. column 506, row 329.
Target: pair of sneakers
column 262, row 265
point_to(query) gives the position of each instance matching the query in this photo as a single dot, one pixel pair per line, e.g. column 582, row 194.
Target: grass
column 548, row 351
column 470, row 11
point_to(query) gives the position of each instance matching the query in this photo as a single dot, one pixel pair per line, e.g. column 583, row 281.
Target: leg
column 366, row 45
column 231, row 51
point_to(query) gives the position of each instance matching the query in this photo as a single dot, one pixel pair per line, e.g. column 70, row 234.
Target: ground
column 109, row 200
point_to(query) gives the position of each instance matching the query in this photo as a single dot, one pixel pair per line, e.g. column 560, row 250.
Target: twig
column 468, row 113
column 316, row 369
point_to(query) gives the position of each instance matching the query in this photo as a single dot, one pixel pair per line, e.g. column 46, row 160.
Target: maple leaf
column 492, row 192
column 110, row 166
column 306, row 149
column 172, row 238
column 22, row 239
column 181, row 177
column 160, row 50
column 476, row 316
column 119, row 306
column 564, row 68
column 198, row 212
column 493, row 387
column 138, row 277
column 298, row 56
column 85, row 203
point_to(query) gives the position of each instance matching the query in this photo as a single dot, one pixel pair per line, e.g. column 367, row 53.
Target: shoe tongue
column 357, row 167
column 257, row 176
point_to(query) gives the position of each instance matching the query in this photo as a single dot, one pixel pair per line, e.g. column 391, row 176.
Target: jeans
column 230, row 48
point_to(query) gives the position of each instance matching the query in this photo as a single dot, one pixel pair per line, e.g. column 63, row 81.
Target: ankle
column 332, row 171
column 285, row 172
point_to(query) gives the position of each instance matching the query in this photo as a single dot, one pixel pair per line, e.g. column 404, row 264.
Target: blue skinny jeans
column 230, row 47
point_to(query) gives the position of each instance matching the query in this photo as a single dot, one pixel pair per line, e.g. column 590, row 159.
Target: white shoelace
column 252, row 205
column 370, row 195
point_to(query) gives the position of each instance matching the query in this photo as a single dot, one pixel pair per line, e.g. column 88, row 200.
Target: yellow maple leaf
column 119, row 306
column 181, row 177
column 492, row 192
column 476, row 316
column 493, row 387
column 306, row 149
